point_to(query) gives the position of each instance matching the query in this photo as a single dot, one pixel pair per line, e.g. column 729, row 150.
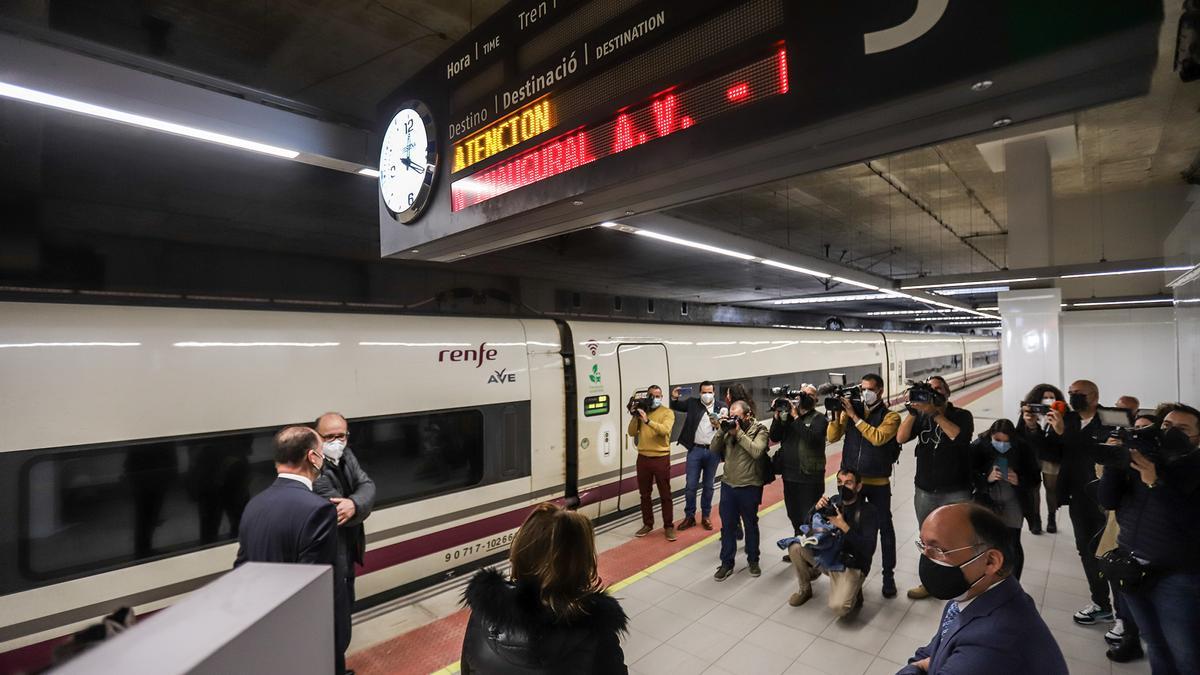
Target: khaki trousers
column 843, row 586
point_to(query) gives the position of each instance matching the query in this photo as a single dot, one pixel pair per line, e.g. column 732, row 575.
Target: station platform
column 683, row 621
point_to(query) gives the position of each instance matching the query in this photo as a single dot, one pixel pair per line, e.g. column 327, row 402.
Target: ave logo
column 501, row 376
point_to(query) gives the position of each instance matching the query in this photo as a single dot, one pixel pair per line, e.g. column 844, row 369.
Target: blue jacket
column 999, row 633
column 287, row 523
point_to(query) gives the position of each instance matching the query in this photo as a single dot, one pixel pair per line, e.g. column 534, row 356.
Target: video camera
column 923, row 392
column 836, row 391
column 641, row 400
column 1152, row 442
column 786, row 394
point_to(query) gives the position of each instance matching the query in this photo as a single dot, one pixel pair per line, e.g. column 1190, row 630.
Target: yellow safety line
column 637, row 576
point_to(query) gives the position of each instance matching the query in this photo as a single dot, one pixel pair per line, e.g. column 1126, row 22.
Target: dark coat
column 1021, row 458
column 1078, row 469
column 801, row 455
column 511, row 631
column 287, row 523
column 695, row 412
column 999, row 633
column 348, row 480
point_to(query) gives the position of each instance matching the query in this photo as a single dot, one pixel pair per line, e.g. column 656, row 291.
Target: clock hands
column 412, row 165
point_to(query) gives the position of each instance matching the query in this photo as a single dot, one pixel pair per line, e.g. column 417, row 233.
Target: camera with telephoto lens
column 641, row 400
column 1156, row 445
column 923, row 392
column 728, row 423
column 784, row 394
column 836, row 391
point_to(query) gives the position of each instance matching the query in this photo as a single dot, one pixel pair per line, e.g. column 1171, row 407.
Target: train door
column 640, row 366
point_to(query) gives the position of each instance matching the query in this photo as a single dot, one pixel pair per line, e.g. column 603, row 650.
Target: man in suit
column 990, row 624
column 344, row 483
column 699, row 428
column 287, row 522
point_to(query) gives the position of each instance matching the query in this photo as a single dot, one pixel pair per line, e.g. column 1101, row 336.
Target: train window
column 759, row 387
column 85, row 509
column 923, row 369
column 981, row 359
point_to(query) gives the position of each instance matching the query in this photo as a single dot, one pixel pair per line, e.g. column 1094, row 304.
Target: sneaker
column 723, row 573
column 755, row 570
column 889, row 587
column 705, row 523
column 643, row 532
column 1093, row 613
column 686, row 523
column 669, row 532
column 787, row 558
column 1128, row 650
column 918, row 593
column 1115, row 634
column 798, row 599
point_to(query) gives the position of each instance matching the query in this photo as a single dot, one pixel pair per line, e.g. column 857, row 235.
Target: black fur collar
column 516, row 605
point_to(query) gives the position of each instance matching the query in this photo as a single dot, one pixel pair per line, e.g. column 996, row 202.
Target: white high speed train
column 133, row 436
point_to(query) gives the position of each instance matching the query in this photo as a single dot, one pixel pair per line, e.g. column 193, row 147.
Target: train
column 134, row 435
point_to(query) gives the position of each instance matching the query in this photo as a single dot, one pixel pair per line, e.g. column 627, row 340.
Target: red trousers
column 652, row 470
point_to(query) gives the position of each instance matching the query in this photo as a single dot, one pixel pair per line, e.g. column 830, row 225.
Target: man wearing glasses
column 352, row 491
column 990, row 624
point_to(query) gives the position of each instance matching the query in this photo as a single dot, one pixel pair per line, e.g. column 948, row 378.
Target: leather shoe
column 918, row 593
column 798, row 599
column 643, row 532
column 705, row 524
column 686, row 523
column 1130, row 649
column 669, row 532
column 889, row 587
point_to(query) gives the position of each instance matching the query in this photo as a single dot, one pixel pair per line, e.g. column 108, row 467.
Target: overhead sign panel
column 559, row 114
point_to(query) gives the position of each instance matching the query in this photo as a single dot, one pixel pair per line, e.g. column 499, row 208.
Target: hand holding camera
column 1144, row 466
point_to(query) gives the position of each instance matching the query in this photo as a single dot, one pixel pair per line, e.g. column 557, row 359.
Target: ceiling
column 929, row 211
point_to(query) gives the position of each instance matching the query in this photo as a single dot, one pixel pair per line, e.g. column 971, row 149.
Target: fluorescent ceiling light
column 856, row 283
column 71, row 105
column 830, row 298
column 1120, row 272
column 26, row 345
column 694, row 244
column 972, row 322
column 1187, row 277
column 794, row 268
column 608, row 223
column 904, row 312
column 972, row 291
column 973, row 283
column 988, row 309
column 373, row 173
column 1120, row 302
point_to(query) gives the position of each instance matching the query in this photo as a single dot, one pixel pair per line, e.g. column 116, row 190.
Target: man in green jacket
column 743, row 444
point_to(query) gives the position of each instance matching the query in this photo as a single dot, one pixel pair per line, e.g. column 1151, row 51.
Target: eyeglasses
column 336, row 437
column 938, row 553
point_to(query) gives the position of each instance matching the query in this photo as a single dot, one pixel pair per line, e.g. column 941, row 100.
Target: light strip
column 1121, row 272
column 972, row 283
column 793, row 268
column 971, row 291
column 694, row 244
column 988, row 309
column 373, row 173
column 906, row 312
column 971, row 323
column 1119, row 302
column 26, row 345
column 256, row 344
column 61, row 103
column 856, row 283
column 830, row 298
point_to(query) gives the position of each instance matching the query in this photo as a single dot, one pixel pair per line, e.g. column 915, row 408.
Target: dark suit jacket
column 695, row 413
column 999, row 633
column 348, row 480
column 287, row 523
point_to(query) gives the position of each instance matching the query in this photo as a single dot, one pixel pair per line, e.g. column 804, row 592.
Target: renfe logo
column 478, row 356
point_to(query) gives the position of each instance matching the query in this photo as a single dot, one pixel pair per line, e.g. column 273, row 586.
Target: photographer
column 858, row 522
column 1003, row 467
column 870, row 450
column 743, row 443
column 943, row 434
column 1079, row 432
column 652, row 429
column 1033, row 428
column 800, row 432
column 699, row 427
column 1157, row 500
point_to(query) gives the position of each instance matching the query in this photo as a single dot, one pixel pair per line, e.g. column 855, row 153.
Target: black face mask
column 806, row 402
column 847, row 494
column 946, row 582
column 1079, row 402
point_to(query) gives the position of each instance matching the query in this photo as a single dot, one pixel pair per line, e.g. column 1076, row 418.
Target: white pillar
column 1030, row 345
column 1028, row 193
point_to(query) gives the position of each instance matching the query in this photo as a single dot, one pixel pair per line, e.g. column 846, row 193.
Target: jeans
column 1169, row 617
column 652, row 470
column 926, row 502
column 739, row 504
column 799, row 497
column 700, row 460
column 1088, row 521
column 880, row 496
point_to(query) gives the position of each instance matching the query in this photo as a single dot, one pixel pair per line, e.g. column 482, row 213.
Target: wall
column 1124, row 351
column 1183, row 248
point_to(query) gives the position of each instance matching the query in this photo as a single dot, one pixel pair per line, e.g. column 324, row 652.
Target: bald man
column 990, row 624
column 1080, row 432
column 1130, row 403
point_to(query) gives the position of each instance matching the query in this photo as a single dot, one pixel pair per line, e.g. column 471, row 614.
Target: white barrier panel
column 259, row 618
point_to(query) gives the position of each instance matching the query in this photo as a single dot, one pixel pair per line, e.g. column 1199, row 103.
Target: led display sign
column 524, row 125
column 595, row 405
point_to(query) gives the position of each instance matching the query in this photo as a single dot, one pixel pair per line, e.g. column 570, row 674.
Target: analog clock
column 408, row 162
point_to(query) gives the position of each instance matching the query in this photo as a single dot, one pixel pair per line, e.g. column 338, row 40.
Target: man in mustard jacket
column 652, row 431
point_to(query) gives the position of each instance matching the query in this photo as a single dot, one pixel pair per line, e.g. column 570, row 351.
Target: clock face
column 408, row 162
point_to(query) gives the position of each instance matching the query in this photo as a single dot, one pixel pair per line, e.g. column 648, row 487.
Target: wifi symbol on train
column 592, row 347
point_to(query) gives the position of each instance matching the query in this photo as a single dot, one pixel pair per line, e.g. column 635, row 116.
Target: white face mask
column 707, row 399
column 869, row 397
column 334, row 449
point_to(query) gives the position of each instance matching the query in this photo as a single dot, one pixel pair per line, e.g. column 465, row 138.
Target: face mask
column 869, row 397
column 656, row 403
column 945, row 581
column 333, row 449
column 317, row 467
column 1001, row 446
column 847, row 493
column 1079, row 402
column 707, row 399
column 806, row 401
column 1049, row 401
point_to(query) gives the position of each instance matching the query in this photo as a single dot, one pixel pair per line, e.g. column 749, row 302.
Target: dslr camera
column 727, row 423
column 641, row 400
column 923, row 392
column 837, row 391
column 830, row 510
